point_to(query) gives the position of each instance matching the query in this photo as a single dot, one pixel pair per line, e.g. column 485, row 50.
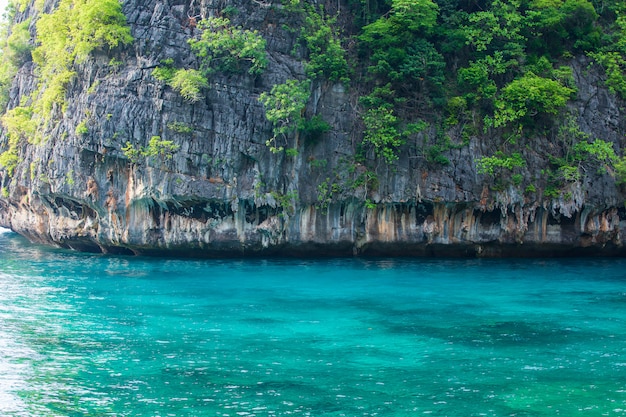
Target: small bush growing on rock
column 180, row 127
column 490, row 165
column 189, row 83
column 67, row 36
column 284, row 108
column 157, row 147
column 165, row 72
column 223, row 47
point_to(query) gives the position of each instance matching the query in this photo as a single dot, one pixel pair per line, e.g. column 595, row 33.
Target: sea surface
column 98, row 335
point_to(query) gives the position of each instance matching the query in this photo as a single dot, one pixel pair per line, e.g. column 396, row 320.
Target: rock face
column 223, row 193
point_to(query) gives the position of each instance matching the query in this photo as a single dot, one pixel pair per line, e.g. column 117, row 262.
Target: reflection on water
column 96, row 335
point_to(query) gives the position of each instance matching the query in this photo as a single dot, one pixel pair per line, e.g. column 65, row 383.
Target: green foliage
column 33, row 168
column 406, row 17
column 15, row 51
column 69, row 177
column 568, row 173
column 614, row 65
column 165, row 72
column 20, row 5
column 222, row 47
column 20, row 125
column 189, row 83
column 291, row 152
column 318, row 163
column 491, row 165
column 612, row 56
column 18, row 46
column 384, row 130
column 132, row 153
column 557, row 25
column 476, row 79
column 284, row 108
column 230, row 11
column 496, row 29
column 314, row 128
column 326, row 56
column 52, row 93
column 434, row 155
column 76, row 28
column 598, row 152
column 67, row 36
column 325, row 193
column 369, row 204
column 380, row 96
column 620, row 170
column 388, row 38
column 157, row 147
column 81, row 128
column 423, row 64
column 584, row 158
column 180, row 127
column 381, row 131
column 286, row 201
column 9, row 160
column 527, row 96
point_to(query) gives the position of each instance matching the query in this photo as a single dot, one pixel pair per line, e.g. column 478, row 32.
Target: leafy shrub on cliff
column 15, row 51
column 527, row 96
column 18, row 47
column 9, row 160
column 222, row 47
column 326, row 56
column 165, row 72
column 388, row 40
column 381, row 131
column 67, row 36
column 612, row 57
column 19, row 126
column 189, row 83
column 620, row 170
column 496, row 164
column 157, row 147
column 284, row 108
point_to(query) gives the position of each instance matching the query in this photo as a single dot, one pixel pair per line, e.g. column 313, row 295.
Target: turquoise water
column 94, row 335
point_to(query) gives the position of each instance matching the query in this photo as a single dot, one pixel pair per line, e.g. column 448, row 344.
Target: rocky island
column 314, row 128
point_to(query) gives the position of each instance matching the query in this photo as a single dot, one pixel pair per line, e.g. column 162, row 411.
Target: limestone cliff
column 224, row 193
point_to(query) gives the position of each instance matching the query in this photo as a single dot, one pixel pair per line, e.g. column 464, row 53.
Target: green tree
column 67, row 36
column 284, row 108
column 222, row 47
column 386, row 39
column 157, row 148
column 20, row 127
column 612, row 57
column 189, row 83
column 15, row 51
column 527, row 96
column 381, row 131
column 165, row 72
column 554, row 26
column 326, row 56
column 496, row 164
